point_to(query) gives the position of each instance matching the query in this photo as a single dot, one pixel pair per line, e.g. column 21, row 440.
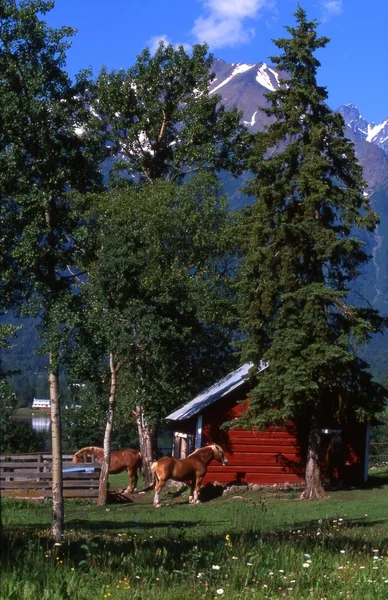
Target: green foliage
column 43, row 162
column 301, row 253
column 159, row 294
column 160, row 119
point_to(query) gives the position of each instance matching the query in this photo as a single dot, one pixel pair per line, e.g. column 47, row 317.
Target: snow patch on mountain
column 374, row 130
column 264, row 79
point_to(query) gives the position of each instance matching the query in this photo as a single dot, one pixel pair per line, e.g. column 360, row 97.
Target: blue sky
column 354, row 64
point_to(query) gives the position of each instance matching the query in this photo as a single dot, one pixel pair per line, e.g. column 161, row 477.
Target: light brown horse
column 120, row 460
column 193, row 468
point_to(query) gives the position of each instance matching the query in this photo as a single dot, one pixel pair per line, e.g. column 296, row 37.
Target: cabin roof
column 213, row 393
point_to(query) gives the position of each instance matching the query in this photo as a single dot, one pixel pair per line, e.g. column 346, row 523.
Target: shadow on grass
column 168, row 552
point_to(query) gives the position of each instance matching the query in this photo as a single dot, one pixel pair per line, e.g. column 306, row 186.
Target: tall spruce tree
column 302, row 254
column 44, row 162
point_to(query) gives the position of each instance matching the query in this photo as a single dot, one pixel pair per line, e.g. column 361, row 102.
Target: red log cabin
column 272, row 456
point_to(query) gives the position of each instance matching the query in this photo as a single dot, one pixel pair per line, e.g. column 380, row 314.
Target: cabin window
column 183, row 445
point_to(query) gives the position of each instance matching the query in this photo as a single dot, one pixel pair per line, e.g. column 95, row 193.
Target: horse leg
column 132, row 475
column 158, row 488
column 191, row 497
column 197, row 486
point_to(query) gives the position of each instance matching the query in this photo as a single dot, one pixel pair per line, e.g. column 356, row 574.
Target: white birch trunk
column 148, row 446
column 57, row 520
column 104, row 476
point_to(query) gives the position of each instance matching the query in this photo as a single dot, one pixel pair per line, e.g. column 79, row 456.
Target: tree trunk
column 104, row 476
column 56, row 450
column 313, row 487
column 148, row 446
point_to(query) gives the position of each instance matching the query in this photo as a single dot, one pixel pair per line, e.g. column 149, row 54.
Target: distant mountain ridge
column 244, row 85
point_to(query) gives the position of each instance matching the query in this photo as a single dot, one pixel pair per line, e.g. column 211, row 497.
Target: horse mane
column 212, row 446
column 93, row 450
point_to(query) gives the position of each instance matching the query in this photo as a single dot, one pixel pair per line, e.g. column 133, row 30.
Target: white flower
column 306, row 555
column 234, row 557
column 342, row 551
column 199, row 574
column 216, row 567
column 306, row 565
column 249, row 564
column 220, row 591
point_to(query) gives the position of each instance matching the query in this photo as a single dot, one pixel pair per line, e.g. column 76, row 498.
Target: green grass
column 266, row 546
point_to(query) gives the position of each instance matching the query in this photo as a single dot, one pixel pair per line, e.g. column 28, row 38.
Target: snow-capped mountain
column 245, row 85
column 376, row 134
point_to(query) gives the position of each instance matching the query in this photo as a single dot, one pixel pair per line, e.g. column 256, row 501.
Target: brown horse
column 193, row 468
column 120, row 460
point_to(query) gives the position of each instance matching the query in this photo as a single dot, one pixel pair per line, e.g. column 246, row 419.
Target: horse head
column 218, row 454
column 78, row 457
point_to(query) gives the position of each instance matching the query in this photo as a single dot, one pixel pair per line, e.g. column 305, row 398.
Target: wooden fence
column 30, row 476
column 378, row 454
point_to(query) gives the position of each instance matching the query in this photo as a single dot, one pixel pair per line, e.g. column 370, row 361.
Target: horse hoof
column 157, row 506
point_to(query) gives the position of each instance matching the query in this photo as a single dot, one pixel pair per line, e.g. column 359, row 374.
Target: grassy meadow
column 247, row 546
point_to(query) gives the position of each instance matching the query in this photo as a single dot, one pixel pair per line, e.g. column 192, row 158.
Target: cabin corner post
column 198, row 432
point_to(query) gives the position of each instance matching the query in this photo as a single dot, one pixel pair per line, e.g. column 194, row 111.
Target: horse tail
column 153, row 466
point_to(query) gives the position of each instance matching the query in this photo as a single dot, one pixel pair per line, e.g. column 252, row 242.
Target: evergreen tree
column 301, row 257
column 44, row 161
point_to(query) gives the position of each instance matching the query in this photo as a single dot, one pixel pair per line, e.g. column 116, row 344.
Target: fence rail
column 378, row 454
column 30, row 476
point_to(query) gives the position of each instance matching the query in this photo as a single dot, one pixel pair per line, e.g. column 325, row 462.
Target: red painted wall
column 267, row 457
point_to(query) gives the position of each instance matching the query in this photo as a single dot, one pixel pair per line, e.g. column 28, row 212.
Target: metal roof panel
column 214, row 393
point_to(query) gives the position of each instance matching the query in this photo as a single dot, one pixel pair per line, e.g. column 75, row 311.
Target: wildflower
column 199, row 574
column 306, row 555
column 220, row 591
column 234, row 557
column 72, row 569
column 306, row 565
column 342, row 551
column 216, row 567
column 249, row 564
column 281, row 571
